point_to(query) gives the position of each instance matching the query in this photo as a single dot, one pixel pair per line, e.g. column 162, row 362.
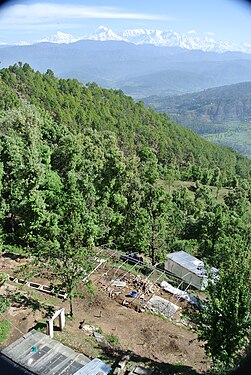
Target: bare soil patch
column 147, row 338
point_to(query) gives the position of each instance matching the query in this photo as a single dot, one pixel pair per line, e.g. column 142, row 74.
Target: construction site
column 136, row 313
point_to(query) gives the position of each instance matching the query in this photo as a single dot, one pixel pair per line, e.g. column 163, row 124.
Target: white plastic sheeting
column 179, row 293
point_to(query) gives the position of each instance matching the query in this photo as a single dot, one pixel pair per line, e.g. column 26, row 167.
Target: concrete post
column 61, row 320
column 49, row 328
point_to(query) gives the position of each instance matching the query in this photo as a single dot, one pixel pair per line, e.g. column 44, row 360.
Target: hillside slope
column 78, row 106
column 222, row 114
column 83, row 169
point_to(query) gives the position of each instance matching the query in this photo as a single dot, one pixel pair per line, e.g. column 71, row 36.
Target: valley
column 221, row 115
column 139, row 70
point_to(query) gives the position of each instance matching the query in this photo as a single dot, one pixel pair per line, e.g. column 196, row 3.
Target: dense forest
column 76, row 106
column 82, row 166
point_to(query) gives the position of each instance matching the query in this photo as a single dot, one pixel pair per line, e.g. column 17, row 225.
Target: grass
column 136, row 270
column 16, row 250
column 5, row 327
column 4, row 304
column 112, row 340
column 163, row 317
column 236, row 136
column 188, row 184
column 84, row 344
column 42, row 299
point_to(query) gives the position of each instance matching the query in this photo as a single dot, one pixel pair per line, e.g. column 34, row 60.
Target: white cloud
column 48, row 12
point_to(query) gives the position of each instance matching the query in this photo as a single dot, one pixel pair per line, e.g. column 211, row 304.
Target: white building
column 188, row 268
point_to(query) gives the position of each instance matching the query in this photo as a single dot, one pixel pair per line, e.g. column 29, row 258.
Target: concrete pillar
column 61, row 320
column 49, row 328
column 61, row 315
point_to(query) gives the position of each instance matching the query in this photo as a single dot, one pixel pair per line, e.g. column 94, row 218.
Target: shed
column 188, row 268
column 37, row 353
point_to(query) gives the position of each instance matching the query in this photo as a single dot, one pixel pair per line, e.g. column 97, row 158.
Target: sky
column 225, row 20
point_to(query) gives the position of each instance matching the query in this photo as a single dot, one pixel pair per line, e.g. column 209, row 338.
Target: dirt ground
column 149, row 339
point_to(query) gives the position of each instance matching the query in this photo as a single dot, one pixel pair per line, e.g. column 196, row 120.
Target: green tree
column 224, row 322
column 2, row 209
column 72, row 224
column 156, row 206
column 26, row 163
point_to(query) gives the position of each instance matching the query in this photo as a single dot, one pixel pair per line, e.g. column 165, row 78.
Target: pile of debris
column 122, row 365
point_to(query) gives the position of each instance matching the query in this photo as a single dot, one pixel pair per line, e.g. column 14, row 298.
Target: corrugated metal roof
column 188, row 261
column 94, row 367
column 42, row 355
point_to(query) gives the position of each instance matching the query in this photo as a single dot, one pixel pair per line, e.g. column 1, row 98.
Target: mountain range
column 139, row 70
column 160, row 38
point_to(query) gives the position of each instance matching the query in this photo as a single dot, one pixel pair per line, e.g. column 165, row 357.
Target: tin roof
column 189, row 262
column 41, row 355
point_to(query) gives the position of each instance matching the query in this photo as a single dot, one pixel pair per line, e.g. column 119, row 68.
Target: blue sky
column 228, row 20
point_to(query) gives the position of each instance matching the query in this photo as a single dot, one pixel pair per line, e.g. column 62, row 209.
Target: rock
column 88, row 329
column 121, row 366
column 98, row 336
column 140, row 370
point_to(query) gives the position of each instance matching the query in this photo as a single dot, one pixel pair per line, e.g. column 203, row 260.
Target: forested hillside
column 211, row 106
column 65, row 144
column 77, row 106
column 82, row 167
column 221, row 114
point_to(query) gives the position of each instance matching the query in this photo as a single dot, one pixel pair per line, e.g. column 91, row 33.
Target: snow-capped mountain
column 163, row 38
column 103, row 33
column 59, row 37
column 144, row 36
column 160, row 38
column 169, row 39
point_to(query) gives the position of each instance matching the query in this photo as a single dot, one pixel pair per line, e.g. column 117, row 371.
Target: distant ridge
column 160, row 38
column 218, row 104
column 220, row 114
column 139, row 70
